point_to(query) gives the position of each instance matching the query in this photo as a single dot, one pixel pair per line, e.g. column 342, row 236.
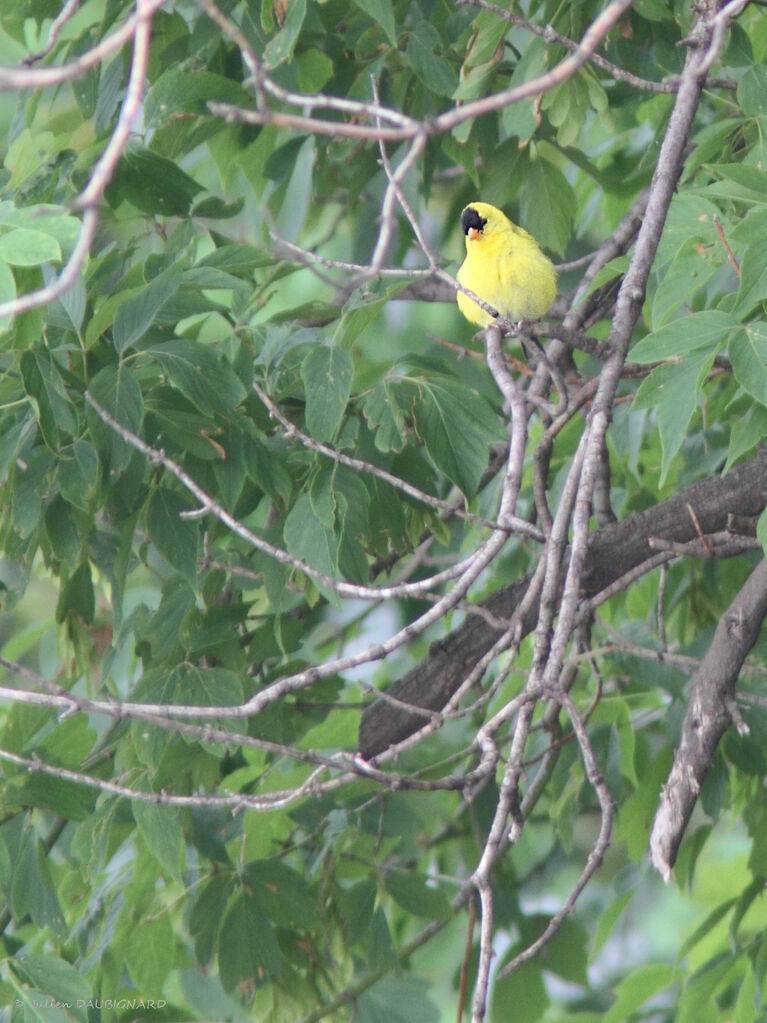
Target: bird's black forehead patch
column 470, row 218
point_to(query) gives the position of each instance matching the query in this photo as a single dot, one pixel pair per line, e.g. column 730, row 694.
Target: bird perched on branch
column 504, row 266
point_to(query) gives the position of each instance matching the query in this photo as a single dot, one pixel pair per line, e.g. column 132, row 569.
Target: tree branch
column 710, row 712
column 612, row 552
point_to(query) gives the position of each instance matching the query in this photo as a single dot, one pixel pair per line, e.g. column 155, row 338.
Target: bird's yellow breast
column 504, row 266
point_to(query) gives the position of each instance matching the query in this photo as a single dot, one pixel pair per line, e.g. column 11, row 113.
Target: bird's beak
column 473, row 233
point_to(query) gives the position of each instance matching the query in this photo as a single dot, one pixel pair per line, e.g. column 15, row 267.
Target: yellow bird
column 504, row 267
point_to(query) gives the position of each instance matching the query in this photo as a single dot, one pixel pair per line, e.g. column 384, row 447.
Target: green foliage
column 169, row 544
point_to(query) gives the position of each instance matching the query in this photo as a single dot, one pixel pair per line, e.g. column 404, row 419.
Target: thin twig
column 17, row 79
column 726, row 245
column 102, row 172
column 212, row 507
column 521, row 526
column 550, row 35
column 58, row 23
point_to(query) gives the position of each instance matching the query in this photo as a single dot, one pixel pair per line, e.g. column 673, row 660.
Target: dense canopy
column 355, row 666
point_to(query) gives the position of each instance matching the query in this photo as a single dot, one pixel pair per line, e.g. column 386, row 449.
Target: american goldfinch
column 504, row 266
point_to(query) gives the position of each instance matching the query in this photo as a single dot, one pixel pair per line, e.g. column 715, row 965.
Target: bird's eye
column 471, row 219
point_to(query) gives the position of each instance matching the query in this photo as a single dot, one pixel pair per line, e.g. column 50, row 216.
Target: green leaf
column 357, row 905
column 282, row 894
column 609, row 272
column 85, row 89
column 567, row 954
column 55, row 795
column 69, row 743
column 610, row 916
column 520, row 120
column 706, row 330
column 136, row 315
column 387, row 524
column 77, row 595
column 748, row 896
column 385, row 414
column 30, row 483
column 412, row 891
column 327, row 376
column 689, row 272
column 247, row 947
column 27, row 154
column 7, row 292
column 745, row 433
column 44, row 384
column 710, row 143
column 211, row 827
column 524, row 989
column 739, row 182
column 62, row 531
column 637, row 811
column 638, row 988
column 316, row 311
column 761, row 530
column 204, row 993
column 616, row 712
column 308, row 538
column 12, row 439
column 382, row 13
column 281, row 47
column 748, row 355
column 212, row 687
column 433, row 71
column 458, row 427
column 149, row 951
column 352, row 501
column 381, row 953
column 464, row 154
column 265, row 464
column 73, row 301
column 705, row 928
column 752, row 287
column 175, row 537
column 78, row 472
column 314, row 69
column 472, row 85
column 218, row 209
column 752, row 91
column 116, row 391
column 237, row 259
column 324, row 498
column 488, row 31
column 749, row 230
column 160, row 828
column 282, row 159
column 208, row 381
column 548, row 205
column 189, row 92
column 26, row 247
column 398, row 998
column 48, row 218
column 55, row 979
column 152, row 183
column 205, row 918
column 355, row 320
column 32, row 892
column 672, row 391
column 164, row 627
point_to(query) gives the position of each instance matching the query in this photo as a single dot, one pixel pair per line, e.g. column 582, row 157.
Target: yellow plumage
column 504, row 266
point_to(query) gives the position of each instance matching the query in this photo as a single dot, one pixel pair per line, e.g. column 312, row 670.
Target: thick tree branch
column 612, row 552
column 710, row 712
